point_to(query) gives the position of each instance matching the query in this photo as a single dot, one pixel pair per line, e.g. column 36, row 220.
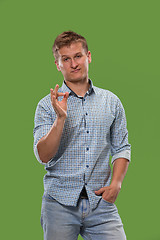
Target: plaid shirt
column 94, row 129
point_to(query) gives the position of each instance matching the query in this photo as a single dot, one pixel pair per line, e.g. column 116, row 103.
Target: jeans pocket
column 107, row 201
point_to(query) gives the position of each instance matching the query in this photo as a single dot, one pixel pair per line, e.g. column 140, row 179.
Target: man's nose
column 74, row 64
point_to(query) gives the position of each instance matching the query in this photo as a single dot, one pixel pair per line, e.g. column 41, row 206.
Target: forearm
column 120, row 167
column 49, row 144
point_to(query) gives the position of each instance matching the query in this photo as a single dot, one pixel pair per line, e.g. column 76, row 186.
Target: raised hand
column 60, row 107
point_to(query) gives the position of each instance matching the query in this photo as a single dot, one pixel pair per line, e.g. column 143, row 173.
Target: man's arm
column 48, row 145
column 120, row 151
column 110, row 193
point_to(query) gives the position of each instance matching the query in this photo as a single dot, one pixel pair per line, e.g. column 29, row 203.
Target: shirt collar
column 65, row 88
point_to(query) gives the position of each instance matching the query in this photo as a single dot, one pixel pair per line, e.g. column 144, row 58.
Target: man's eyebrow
column 75, row 54
column 78, row 53
column 64, row 56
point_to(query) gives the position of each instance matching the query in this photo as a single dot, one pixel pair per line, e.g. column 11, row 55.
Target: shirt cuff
column 123, row 154
column 37, row 155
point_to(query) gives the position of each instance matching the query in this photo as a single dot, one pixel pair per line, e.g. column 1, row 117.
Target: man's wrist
column 59, row 122
column 61, row 118
column 116, row 184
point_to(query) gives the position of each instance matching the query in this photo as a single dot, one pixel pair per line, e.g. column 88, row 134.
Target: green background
column 124, row 39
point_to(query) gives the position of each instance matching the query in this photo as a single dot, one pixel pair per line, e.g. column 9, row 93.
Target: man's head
column 72, row 56
column 66, row 39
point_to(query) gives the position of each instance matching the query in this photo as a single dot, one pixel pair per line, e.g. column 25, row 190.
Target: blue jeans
column 61, row 222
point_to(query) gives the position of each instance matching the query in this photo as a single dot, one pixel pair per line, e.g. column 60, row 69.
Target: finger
column 54, row 104
column 53, row 98
column 60, row 94
column 100, row 191
column 56, row 90
column 66, row 95
column 51, row 91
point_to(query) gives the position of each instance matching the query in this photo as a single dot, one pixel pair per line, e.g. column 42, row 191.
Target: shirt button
column 86, row 113
column 87, row 148
column 84, row 99
column 87, row 131
column 85, row 183
column 87, row 166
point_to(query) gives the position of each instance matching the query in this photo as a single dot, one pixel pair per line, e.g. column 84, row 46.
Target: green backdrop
column 124, row 39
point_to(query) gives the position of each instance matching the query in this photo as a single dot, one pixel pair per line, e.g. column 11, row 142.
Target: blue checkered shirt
column 94, row 129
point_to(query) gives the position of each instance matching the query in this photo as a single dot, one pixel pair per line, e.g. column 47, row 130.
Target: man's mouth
column 75, row 71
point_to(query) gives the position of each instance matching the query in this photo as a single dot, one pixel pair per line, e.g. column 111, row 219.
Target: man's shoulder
column 45, row 101
column 105, row 93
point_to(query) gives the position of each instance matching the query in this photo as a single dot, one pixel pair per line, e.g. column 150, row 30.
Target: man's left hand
column 109, row 193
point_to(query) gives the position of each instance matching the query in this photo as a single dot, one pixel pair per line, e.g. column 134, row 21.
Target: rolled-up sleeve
column 120, row 148
column 43, row 121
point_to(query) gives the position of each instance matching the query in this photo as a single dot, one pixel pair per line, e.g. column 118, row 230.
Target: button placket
column 86, row 143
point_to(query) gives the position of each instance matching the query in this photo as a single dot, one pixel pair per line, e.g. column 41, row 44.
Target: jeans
column 60, row 222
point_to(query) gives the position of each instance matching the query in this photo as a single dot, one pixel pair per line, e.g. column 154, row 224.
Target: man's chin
column 76, row 79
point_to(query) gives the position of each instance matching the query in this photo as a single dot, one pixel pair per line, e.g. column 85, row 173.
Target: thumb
column 100, row 191
column 66, row 95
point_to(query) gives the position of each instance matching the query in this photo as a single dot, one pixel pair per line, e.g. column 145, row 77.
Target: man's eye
column 78, row 56
column 65, row 59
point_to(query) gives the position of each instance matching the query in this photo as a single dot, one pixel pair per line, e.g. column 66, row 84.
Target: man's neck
column 79, row 87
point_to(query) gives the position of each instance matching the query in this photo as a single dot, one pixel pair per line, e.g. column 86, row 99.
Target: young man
column 77, row 128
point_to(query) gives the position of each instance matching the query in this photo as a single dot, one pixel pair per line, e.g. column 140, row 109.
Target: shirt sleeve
column 43, row 121
column 120, row 148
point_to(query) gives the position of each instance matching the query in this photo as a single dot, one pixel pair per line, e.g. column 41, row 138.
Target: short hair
column 66, row 39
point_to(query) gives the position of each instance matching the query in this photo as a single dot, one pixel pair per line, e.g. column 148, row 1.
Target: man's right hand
column 60, row 107
column 48, row 145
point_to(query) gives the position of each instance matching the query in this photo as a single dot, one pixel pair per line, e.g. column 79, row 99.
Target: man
column 77, row 128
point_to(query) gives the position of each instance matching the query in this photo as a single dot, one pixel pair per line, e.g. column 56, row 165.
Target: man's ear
column 58, row 68
column 89, row 57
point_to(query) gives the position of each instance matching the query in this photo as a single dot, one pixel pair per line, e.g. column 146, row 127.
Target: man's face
column 73, row 62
